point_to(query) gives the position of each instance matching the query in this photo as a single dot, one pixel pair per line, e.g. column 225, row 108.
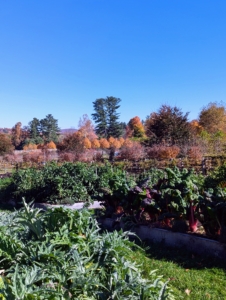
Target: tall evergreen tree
column 35, row 130
column 49, row 128
column 106, row 117
column 100, row 116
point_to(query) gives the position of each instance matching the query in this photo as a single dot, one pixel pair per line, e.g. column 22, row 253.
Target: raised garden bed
column 193, row 243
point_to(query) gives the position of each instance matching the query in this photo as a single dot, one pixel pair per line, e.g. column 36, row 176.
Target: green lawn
column 190, row 276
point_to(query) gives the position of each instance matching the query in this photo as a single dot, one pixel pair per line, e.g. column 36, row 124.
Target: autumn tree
column 5, row 144
column 95, row 144
column 72, row 142
column 51, row 145
column 121, row 140
column 169, row 125
column 86, row 143
column 86, row 128
column 106, row 117
column 82, row 139
column 30, row 147
column 213, row 118
column 195, row 127
column 17, row 134
column 136, row 128
column 104, row 144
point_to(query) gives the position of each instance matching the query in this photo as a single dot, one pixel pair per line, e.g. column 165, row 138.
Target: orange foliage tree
column 163, row 152
column 86, row 128
column 104, row 144
column 196, row 128
column 95, row 144
column 213, row 118
column 114, row 143
column 30, row 147
column 128, row 143
column 16, row 134
column 86, row 143
column 136, row 128
column 121, row 140
column 51, row 145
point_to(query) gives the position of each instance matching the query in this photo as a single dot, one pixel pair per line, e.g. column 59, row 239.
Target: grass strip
column 191, row 276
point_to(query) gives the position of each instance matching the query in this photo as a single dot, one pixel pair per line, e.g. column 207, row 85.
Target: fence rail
column 203, row 166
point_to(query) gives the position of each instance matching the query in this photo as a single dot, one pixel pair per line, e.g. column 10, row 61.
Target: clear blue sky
column 57, row 57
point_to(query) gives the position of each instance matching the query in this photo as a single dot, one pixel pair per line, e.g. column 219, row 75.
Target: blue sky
column 57, row 57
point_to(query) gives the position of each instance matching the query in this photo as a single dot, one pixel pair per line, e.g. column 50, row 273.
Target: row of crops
column 174, row 197
column 61, row 254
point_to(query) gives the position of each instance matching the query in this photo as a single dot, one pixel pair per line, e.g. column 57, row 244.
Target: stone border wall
column 193, row 243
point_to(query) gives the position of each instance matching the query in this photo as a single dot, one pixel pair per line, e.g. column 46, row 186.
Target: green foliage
column 49, row 128
column 168, row 125
column 5, row 188
column 68, row 258
column 35, row 130
column 69, row 182
column 176, row 192
column 106, row 117
column 191, row 276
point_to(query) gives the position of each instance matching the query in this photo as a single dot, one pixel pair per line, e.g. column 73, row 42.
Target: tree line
column 166, row 131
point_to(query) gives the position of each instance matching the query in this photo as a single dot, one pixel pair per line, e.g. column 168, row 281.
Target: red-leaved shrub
column 195, row 153
column 163, row 152
column 66, row 156
column 132, row 151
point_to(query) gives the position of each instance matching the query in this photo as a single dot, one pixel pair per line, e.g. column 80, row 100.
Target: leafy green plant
column 60, row 254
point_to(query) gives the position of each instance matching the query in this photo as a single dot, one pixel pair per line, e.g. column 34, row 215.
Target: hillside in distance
column 67, row 131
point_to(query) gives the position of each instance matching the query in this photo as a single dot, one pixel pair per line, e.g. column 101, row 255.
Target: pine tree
column 49, row 128
column 34, row 128
column 100, row 116
column 106, row 117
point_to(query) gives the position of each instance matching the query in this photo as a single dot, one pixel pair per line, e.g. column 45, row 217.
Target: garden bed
column 193, row 243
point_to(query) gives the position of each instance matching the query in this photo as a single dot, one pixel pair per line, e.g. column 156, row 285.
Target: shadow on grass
column 181, row 256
